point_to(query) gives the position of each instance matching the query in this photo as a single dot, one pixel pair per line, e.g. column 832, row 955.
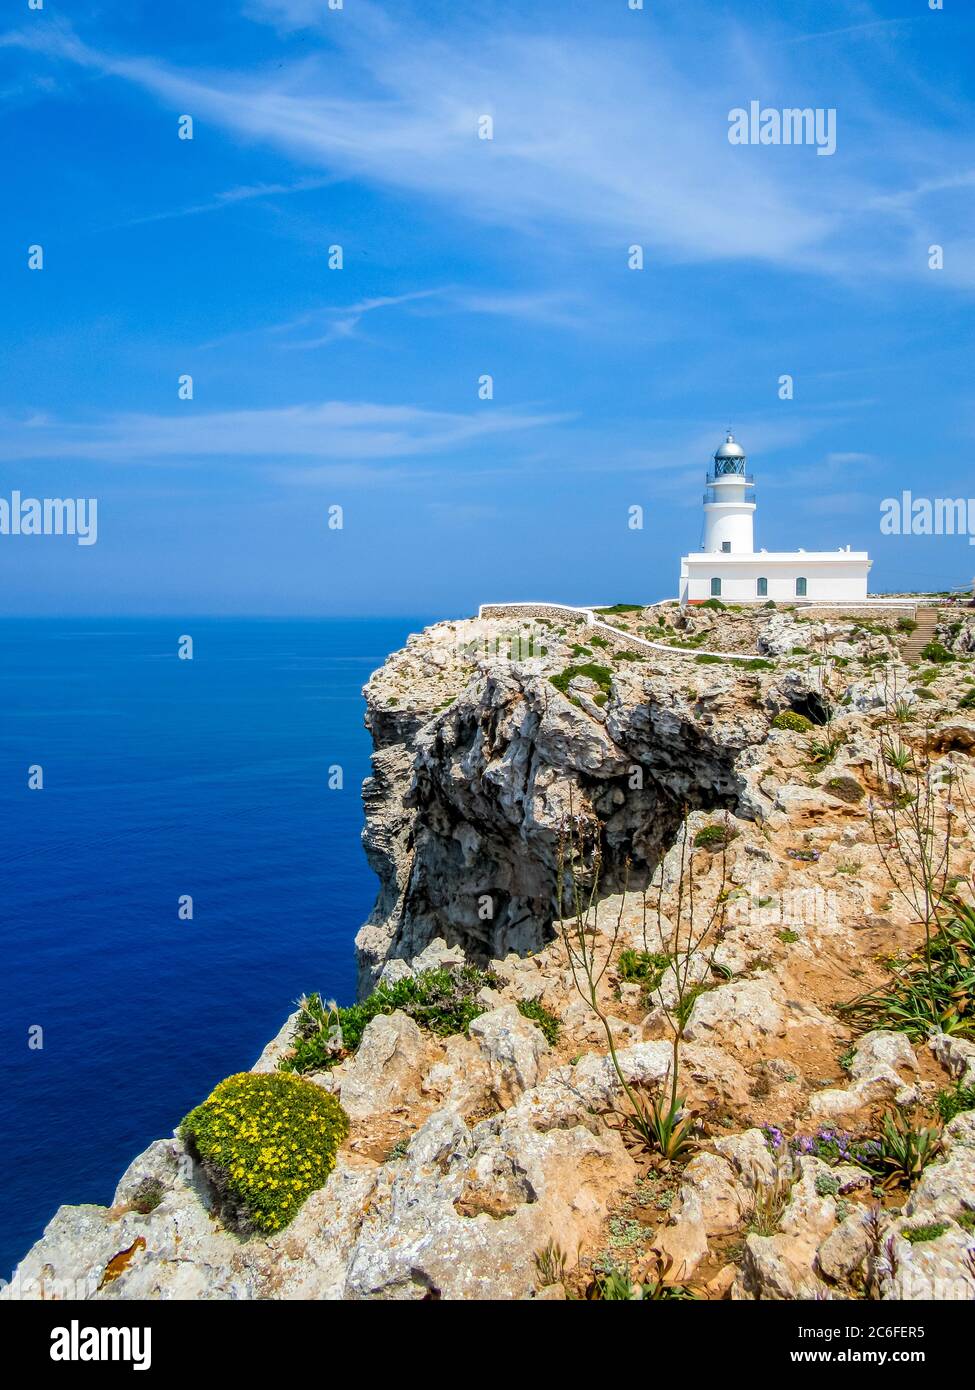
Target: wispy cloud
column 342, row 321
column 871, row 28
column 622, row 142
column 328, row 430
column 345, row 319
column 230, row 197
column 615, row 139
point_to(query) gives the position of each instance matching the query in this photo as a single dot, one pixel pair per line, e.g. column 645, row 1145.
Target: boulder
column 513, row 1048
column 386, row 1072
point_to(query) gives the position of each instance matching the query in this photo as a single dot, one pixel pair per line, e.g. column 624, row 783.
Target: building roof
column 730, row 449
column 716, row 559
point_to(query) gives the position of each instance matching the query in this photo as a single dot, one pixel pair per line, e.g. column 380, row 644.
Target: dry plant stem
column 691, row 942
column 576, row 928
column 698, row 942
column 912, row 825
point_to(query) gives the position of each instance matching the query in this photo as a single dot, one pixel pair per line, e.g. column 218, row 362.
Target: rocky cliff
column 479, row 760
column 496, row 1162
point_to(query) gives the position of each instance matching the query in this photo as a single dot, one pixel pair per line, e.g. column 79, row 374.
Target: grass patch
column 918, row 1234
column 642, row 967
column 918, row 998
column 952, row 1102
column 546, row 1022
column 713, row 837
column 444, row 1001
column 601, row 675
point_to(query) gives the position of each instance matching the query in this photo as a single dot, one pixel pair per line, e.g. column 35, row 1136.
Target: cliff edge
column 555, row 799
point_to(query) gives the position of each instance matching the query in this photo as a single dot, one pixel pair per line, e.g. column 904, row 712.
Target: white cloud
column 329, row 430
column 597, row 141
column 610, row 138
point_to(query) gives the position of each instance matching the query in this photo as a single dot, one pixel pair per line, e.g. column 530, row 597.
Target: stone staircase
column 927, row 622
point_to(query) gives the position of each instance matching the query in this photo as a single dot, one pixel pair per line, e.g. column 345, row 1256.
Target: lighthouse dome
column 730, row 449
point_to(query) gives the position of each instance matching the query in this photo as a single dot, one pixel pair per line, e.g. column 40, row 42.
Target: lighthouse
column 730, row 569
column 729, row 503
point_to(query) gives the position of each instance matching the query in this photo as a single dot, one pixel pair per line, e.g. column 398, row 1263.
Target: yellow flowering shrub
column 265, row 1143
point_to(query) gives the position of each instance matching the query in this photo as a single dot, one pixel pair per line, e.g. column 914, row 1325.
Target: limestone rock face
column 386, row 1071
column 513, row 1048
column 748, row 1010
column 466, row 804
column 461, row 1215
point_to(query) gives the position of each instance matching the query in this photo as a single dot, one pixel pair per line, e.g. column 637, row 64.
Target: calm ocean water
column 165, row 777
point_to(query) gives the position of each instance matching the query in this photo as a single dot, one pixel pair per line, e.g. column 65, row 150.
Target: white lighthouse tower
column 728, row 567
column 729, row 508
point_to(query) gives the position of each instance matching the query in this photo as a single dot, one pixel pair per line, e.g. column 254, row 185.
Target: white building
column 729, row 567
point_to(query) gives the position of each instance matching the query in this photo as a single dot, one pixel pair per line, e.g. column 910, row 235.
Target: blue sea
column 162, row 778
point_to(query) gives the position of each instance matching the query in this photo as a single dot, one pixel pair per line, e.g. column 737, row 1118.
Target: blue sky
column 358, row 387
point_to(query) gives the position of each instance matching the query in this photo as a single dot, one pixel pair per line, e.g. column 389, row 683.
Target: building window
column 800, row 588
column 715, row 588
column 763, row 588
column 726, row 547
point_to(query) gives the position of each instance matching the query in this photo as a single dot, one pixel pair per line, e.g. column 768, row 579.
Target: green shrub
column 444, row 1001
column 967, row 701
column 147, row 1195
column 906, row 624
column 642, row 967
column 629, row 656
column 936, row 652
column 788, row 719
column 771, row 604
column 967, row 1220
column 714, row 603
column 602, row 676
column 621, row 608
column 546, row 1022
column 917, row 1234
column 706, row 659
column 265, row 1142
column 846, row 789
column 712, row 837
column 757, row 663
